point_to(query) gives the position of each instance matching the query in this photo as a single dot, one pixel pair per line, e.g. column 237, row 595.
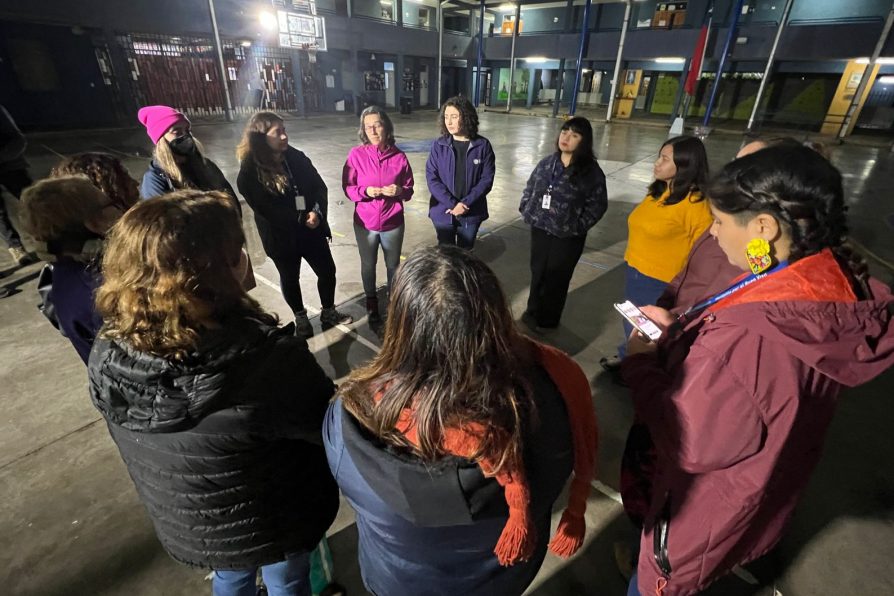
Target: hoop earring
column 758, row 254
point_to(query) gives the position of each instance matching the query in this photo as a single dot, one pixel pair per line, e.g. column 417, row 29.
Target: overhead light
column 506, row 7
column 585, row 70
column 268, row 20
column 536, row 59
column 246, row 44
column 666, row 60
column 886, row 80
column 879, row 61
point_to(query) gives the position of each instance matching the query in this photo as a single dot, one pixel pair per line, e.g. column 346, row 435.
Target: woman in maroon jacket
column 741, row 389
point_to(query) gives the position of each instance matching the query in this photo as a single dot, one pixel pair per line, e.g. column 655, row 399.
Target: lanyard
column 291, row 178
column 731, row 290
column 554, row 177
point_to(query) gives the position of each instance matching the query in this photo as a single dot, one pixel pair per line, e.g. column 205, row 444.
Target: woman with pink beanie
column 178, row 160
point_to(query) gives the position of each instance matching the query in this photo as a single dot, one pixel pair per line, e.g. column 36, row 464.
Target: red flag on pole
column 695, row 69
column 698, row 55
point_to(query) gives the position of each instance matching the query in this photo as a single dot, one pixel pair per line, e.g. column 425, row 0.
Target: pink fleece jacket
column 367, row 166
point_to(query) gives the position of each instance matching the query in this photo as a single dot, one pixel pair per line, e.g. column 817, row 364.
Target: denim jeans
column 286, row 578
column 368, row 243
column 642, row 290
column 461, row 233
column 632, row 588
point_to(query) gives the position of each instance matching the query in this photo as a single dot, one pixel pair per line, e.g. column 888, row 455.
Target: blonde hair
column 253, row 145
column 56, row 208
column 168, row 273
column 165, row 159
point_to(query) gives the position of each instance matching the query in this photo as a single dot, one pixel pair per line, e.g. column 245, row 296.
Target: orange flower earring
column 758, row 253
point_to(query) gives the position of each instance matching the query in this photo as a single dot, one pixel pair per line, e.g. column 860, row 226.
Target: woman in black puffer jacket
column 216, row 411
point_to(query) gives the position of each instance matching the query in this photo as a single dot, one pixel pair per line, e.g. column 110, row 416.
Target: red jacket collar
column 817, row 278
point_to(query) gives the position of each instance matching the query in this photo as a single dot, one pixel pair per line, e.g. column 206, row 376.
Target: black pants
column 315, row 250
column 552, row 264
column 14, row 182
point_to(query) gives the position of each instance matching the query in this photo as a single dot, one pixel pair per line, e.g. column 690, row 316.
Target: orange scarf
column 518, row 539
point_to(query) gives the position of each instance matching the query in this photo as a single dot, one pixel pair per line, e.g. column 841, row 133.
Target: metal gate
column 182, row 72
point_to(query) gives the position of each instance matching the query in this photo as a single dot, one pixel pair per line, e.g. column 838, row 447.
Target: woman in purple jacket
column 460, row 172
column 378, row 178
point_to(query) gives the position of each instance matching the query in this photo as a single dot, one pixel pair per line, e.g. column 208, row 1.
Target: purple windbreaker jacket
column 440, row 170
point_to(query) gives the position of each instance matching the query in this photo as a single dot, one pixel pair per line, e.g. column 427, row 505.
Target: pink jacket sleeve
column 405, row 179
column 702, row 417
column 353, row 191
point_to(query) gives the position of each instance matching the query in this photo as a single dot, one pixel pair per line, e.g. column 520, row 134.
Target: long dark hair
column 254, row 145
column 386, row 122
column 583, row 159
column 801, row 190
column 467, row 115
column 692, row 171
column 452, row 355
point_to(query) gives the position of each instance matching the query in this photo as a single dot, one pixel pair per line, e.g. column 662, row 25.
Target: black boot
column 372, row 310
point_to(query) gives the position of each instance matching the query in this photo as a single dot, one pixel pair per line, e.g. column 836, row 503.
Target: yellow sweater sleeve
column 660, row 236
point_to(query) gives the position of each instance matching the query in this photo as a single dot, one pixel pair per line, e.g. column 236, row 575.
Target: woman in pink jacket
column 378, row 178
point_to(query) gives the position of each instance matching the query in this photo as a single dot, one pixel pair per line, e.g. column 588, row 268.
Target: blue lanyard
column 732, row 290
column 554, row 176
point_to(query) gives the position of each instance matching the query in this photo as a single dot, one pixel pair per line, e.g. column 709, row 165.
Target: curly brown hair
column 58, row 209
column 169, row 273
column 468, row 117
column 106, row 172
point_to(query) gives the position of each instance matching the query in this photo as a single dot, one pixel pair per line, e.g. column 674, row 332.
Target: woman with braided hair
column 740, row 390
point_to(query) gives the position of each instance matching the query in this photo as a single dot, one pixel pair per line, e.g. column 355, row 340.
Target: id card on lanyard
column 546, row 200
column 300, row 202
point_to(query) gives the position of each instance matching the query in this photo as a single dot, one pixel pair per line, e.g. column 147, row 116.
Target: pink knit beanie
column 158, row 119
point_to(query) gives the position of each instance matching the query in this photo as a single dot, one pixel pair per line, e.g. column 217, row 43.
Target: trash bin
column 406, row 105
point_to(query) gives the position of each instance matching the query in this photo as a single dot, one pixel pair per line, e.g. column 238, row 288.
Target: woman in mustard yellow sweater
column 663, row 228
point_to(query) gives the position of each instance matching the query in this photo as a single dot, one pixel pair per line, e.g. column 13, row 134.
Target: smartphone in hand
column 641, row 322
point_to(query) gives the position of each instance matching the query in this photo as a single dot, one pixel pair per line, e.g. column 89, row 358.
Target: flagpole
column 783, row 21
column 707, row 21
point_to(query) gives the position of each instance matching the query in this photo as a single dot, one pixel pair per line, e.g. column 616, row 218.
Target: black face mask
column 184, row 145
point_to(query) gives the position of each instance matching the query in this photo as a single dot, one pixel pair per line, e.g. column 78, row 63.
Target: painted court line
column 313, row 311
column 50, row 149
column 607, row 491
column 593, row 265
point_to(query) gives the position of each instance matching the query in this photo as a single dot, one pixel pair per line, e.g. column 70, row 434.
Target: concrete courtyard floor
column 69, row 516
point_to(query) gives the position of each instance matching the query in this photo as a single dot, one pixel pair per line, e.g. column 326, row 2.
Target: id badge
column 300, row 203
column 547, row 198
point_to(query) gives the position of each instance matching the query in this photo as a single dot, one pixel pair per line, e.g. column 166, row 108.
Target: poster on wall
column 519, row 84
